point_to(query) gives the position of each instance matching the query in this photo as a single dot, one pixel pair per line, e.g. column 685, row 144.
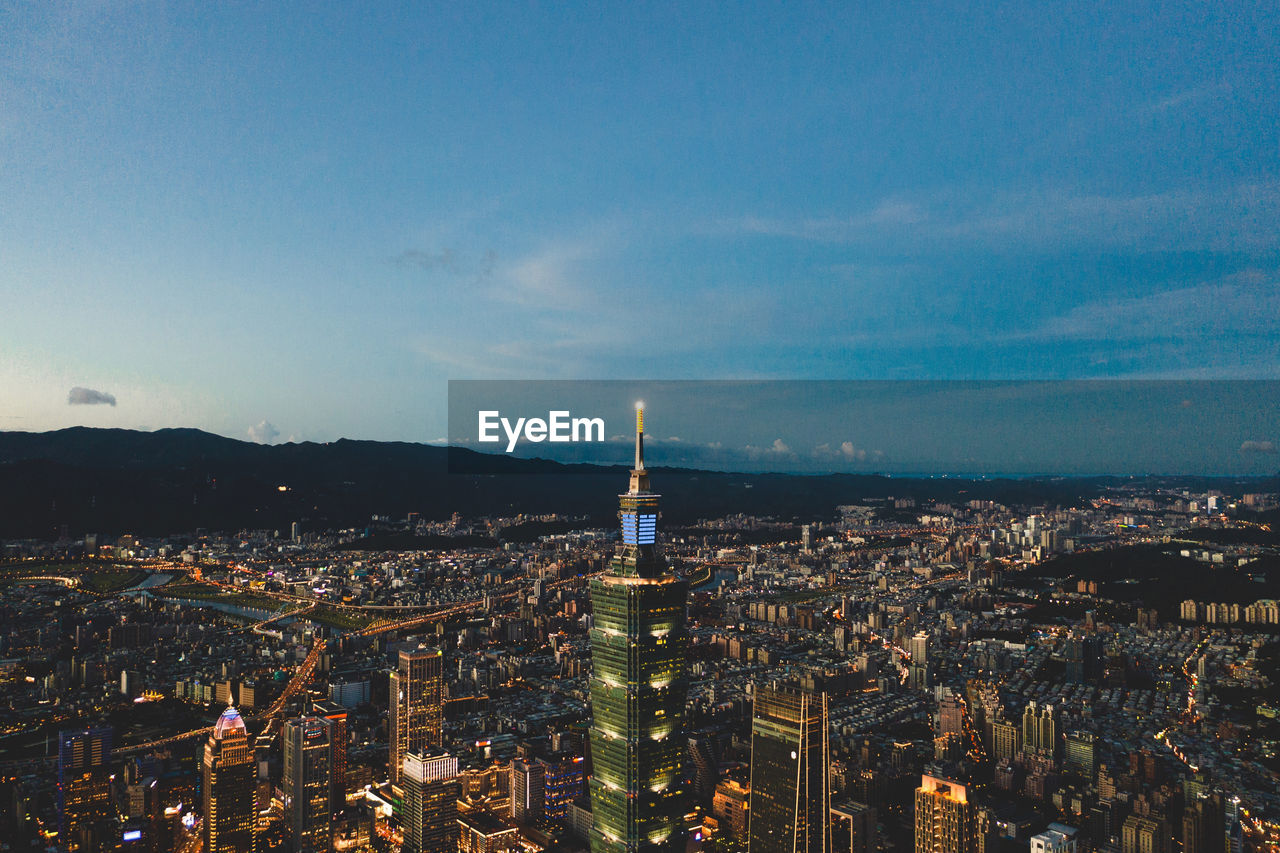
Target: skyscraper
column 417, row 695
column 790, row 779
column 85, row 809
column 430, row 819
column 945, row 819
column 228, row 825
column 638, row 687
column 1040, row 729
column 528, row 789
column 307, row 784
column 1081, row 753
column 918, row 669
column 337, row 717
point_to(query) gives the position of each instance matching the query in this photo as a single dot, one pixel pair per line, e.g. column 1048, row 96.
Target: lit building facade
column 85, row 808
column 307, row 784
column 790, row 778
column 639, row 643
column 417, row 698
column 228, row 789
column 945, row 819
column 430, row 817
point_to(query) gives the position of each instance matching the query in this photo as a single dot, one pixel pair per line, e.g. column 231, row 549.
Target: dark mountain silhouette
column 176, row 480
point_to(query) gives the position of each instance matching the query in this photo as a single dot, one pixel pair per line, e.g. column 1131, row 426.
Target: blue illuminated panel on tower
column 639, row 529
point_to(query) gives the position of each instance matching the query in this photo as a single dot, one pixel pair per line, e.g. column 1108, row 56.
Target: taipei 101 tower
column 639, row 644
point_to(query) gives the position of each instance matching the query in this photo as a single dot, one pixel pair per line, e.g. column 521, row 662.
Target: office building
column 528, row 790
column 228, row 787
column 430, row 817
column 417, row 698
column 639, row 644
column 1081, row 754
column 918, row 667
column 337, row 716
column 1203, row 825
column 854, row 828
column 790, row 778
column 564, row 783
column 86, row 812
column 307, row 784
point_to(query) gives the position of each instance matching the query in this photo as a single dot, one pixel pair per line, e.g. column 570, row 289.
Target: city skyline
column 277, row 223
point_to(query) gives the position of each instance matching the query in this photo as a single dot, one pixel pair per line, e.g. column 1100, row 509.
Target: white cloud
column 263, row 432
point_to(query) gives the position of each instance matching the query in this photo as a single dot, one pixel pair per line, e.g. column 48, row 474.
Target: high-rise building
column 1040, row 729
column 528, row 789
column 430, row 818
column 945, row 818
column 790, row 778
column 307, row 784
column 731, row 805
column 918, row 669
column 639, row 643
column 1203, row 821
column 1144, row 835
column 417, row 697
column 951, row 715
column 1006, row 740
column 85, row 809
column 564, row 784
column 1081, row 753
column 337, row 717
column 854, row 828
column 228, row 787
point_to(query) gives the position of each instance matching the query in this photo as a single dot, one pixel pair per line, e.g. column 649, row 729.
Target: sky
column 898, row 428
column 281, row 223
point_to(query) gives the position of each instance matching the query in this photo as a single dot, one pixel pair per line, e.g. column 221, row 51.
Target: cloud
column 846, row 451
column 1229, row 217
column 263, row 432
column 1243, row 303
column 778, row 448
column 88, row 397
column 475, row 268
column 1258, row 447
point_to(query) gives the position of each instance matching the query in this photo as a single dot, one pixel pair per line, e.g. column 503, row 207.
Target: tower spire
column 640, row 435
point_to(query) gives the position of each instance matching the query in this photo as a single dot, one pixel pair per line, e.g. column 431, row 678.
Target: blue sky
column 299, row 223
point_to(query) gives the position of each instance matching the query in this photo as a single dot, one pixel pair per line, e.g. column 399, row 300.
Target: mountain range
column 172, row 481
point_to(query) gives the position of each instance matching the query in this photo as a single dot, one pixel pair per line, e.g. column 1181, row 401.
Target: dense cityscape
column 902, row 675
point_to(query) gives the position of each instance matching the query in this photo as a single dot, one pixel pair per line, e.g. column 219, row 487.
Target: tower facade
column 639, row 643
column 430, row 802
column 945, row 819
column 86, row 812
column 307, row 784
column 228, row 776
column 417, row 694
column 790, row 779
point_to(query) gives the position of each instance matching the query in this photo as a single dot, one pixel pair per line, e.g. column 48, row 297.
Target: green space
column 240, row 598
column 104, row 582
column 1158, row 576
column 345, row 620
column 99, row 578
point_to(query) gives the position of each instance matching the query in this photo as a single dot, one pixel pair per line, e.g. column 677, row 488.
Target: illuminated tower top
column 638, row 512
column 639, row 476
